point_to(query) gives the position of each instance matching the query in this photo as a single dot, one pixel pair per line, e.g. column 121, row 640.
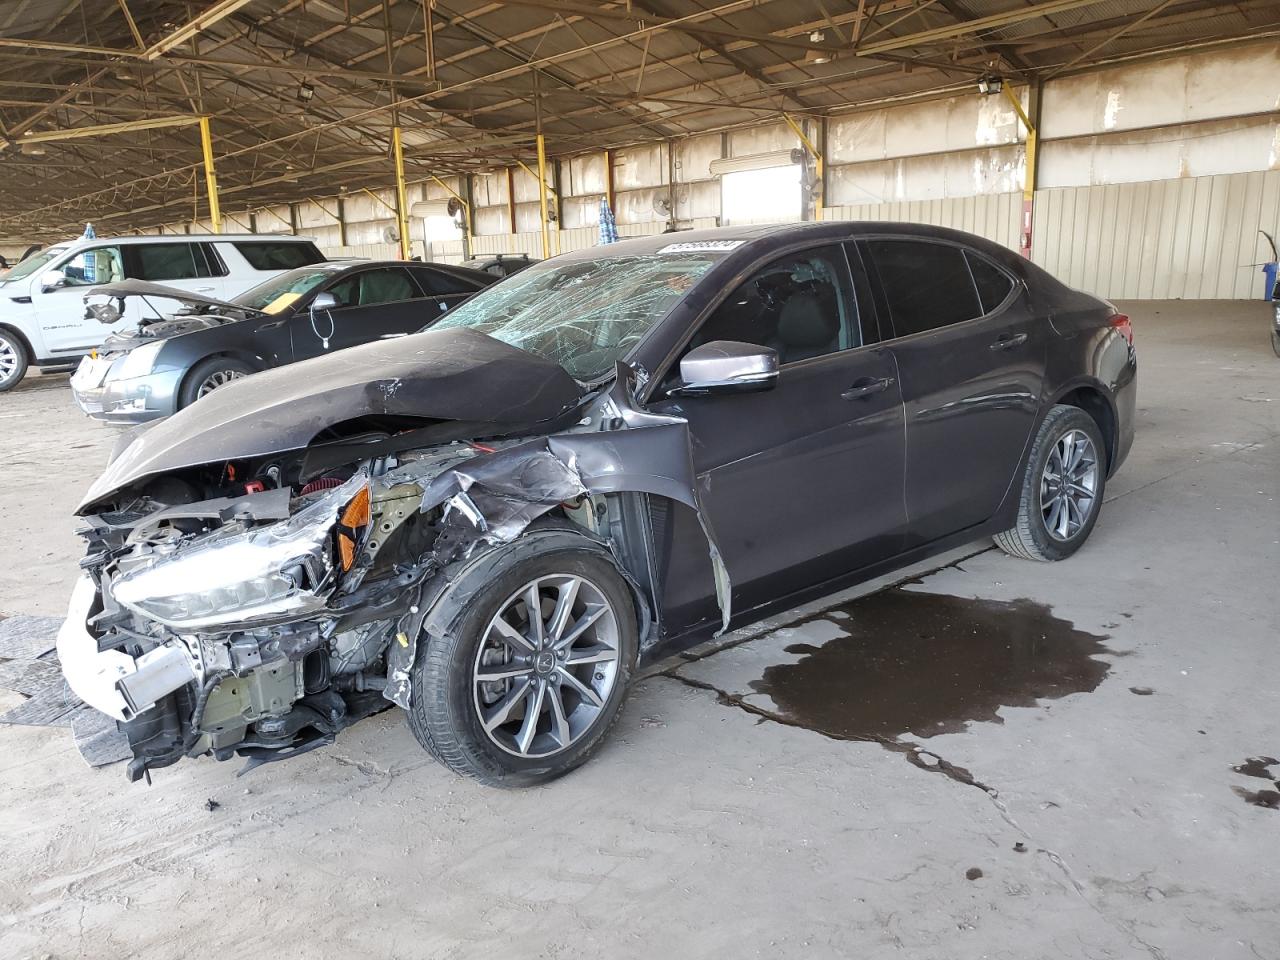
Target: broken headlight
column 270, row 574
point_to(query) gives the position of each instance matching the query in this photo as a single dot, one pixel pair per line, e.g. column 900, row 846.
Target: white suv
column 42, row 311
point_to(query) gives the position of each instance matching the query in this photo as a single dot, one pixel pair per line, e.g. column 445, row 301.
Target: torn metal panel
column 455, row 375
column 494, row 498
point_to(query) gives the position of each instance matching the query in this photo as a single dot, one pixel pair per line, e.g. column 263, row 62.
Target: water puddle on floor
column 1259, row 768
column 925, row 664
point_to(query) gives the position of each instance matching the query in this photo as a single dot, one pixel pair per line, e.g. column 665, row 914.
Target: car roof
column 750, row 240
column 187, row 237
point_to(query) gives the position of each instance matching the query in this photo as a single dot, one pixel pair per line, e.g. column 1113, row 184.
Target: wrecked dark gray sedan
column 607, row 456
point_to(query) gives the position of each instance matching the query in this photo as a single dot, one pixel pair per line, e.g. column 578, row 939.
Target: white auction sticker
column 694, row 245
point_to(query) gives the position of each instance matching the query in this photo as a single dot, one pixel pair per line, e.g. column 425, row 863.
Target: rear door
column 184, row 265
column 804, row 481
column 373, row 303
column 972, row 359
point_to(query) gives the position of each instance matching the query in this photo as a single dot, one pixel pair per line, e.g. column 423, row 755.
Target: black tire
column 205, row 369
column 13, row 360
column 1030, row 538
column 444, row 713
column 1275, row 341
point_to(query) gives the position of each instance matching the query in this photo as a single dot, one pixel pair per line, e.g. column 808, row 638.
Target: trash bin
column 1269, row 273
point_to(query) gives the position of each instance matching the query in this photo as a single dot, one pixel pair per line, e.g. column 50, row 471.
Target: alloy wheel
column 9, row 359
column 215, row 380
column 1069, row 484
column 546, row 666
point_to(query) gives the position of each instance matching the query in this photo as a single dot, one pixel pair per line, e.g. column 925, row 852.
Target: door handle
column 1008, row 341
column 270, row 326
column 204, row 289
column 866, row 387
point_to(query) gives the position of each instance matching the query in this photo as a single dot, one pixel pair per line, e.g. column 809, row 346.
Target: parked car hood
column 162, row 330
column 446, row 375
column 143, row 288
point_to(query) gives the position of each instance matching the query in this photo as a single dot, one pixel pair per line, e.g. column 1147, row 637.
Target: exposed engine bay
column 256, row 605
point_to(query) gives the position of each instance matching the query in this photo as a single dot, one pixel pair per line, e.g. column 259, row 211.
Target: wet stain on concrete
column 1142, row 691
column 926, row 664
column 1257, row 767
column 1259, row 798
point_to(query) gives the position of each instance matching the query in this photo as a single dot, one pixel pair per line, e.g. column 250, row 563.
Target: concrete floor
column 1085, row 718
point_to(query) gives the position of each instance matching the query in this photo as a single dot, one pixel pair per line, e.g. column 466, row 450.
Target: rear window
column 926, row 285
column 268, row 255
column 993, row 283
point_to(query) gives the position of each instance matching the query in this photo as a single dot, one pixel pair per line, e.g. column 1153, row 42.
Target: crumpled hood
column 442, row 375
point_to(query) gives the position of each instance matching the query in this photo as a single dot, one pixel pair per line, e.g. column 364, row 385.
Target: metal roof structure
column 302, row 94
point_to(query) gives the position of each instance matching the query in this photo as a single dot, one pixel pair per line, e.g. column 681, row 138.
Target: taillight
column 1122, row 324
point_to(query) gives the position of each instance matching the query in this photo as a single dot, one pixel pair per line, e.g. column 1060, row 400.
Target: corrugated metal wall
column 994, row 216
column 1195, row 238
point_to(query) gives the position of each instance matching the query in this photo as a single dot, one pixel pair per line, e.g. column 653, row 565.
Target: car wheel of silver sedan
column 209, row 375
column 526, row 681
column 1061, row 491
column 13, row 360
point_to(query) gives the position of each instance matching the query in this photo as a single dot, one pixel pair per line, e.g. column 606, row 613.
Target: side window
column 96, row 265
column 346, row 292
column 993, row 283
column 801, row 305
column 158, row 262
column 268, row 255
column 213, row 265
column 926, row 285
column 437, row 283
column 385, row 285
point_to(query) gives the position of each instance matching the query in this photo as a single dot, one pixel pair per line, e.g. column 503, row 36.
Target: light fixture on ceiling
column 306, row 91
column 817, row 56
column 990, row 85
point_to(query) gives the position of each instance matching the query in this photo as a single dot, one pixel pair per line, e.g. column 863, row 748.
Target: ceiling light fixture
column 306, row 91
column 990, row 85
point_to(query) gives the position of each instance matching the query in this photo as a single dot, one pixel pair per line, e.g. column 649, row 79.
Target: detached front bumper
column 111, row 681
column 128, row 401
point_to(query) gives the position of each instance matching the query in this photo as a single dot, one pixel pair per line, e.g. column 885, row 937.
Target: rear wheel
column 530, row 676
column 208, row 375
column 13, row 360
column 1062, row 489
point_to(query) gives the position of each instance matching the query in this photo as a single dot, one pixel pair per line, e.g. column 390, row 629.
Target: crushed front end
column 253, row 622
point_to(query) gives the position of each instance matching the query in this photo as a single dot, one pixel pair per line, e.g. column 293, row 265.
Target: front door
column 972, row 359
column 803, row 482
column 60, row 310
column 372, row 304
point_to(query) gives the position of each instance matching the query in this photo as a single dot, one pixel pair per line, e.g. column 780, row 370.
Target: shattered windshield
column 583, row 314
column 278, row 293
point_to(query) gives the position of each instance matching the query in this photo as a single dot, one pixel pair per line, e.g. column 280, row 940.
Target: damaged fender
column 492, row 499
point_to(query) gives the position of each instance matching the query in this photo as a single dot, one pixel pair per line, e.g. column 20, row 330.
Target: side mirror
column 52, row 279
column 727, row 366
column 324, row 301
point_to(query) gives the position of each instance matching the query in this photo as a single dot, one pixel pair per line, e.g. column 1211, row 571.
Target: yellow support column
column 542, row 196
column 818, row 200
column 1029, row 173
column 210, row 177
column 402, row 200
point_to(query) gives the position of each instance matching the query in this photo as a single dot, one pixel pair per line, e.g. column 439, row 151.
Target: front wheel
column 13, row 360
column 208, row 375
column 1062, row 489
column 531, row 674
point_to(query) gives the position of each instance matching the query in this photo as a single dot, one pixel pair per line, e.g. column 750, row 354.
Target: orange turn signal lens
column 355, row 517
